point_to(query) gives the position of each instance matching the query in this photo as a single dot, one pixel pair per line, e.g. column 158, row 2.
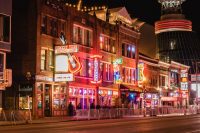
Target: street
column 180, row 124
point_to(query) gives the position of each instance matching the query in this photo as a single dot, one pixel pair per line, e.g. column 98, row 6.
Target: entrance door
column 47, row 107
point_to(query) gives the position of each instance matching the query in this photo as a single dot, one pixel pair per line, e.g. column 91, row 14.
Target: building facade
column 164, row 84
column 65, row 55
column 174, row 36
column 5, row 44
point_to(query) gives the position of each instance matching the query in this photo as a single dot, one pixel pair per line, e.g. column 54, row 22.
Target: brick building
column 102, row 56
column 5, row 44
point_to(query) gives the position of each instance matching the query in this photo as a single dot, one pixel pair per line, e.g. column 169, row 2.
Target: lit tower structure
column 174, row 36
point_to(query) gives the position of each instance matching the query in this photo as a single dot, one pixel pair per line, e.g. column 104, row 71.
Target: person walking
column 71, row 109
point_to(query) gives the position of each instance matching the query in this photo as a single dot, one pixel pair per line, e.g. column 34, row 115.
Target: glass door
column 47, row 108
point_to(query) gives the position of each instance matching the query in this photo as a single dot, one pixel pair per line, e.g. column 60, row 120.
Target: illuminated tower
column 174, row 36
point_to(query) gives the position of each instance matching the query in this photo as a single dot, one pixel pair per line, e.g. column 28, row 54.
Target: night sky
column 149, row 10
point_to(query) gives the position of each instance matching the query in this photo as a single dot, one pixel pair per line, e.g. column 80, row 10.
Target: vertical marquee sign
column 66, row 64
column 140, row 71
column 184, row 80
column 96, row 71
column 116, row 63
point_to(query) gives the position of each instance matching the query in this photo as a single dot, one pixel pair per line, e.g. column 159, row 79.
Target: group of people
column 71, row 108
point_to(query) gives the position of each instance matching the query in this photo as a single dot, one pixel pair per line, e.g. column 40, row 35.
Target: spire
column 107, row 15
column 79, row 5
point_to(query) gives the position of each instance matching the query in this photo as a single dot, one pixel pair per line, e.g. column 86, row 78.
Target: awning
column 109, row 87
column 124, row 87
column 151, row 90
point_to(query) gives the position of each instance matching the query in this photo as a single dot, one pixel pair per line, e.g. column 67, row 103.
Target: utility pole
column 196, row 83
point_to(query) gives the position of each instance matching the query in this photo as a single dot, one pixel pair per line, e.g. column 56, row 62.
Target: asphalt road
column 180, row 124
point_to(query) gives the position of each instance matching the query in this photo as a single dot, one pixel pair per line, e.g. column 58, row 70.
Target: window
column 107, row 44
column 87, row 68
column 128, row 75
column 163, row 81
column 1, row 66
column 54, row 27
column 128, row 50
column 82, row 36
column 62, row 28
column 51, row 60
column 106, row 71
column 4, row 28
column 43, row 59
column 44, row 25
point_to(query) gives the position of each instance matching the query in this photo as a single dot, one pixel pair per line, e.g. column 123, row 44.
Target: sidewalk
column 67, row 118
column 38, row 121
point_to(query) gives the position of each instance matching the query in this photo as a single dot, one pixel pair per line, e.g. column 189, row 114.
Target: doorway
column 47, row 100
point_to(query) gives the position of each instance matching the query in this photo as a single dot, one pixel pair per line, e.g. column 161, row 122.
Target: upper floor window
column 128, row 75
column 54, row 27
column 43, row 59
column 47, row 59
column 174, row 79
column 87, row 68
column 128, row 50
column 163, row 80
column 107, row 44
column 2, row 64
column 106, row 71
column 4, row 28
column 44, row 25
column 51, row 60
column 82, row 36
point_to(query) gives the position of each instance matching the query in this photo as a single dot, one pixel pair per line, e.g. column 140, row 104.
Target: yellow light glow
column 61, row 63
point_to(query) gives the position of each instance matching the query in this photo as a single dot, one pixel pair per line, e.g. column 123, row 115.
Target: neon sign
column 117, row 77
column 96, row 76
column 66, row 62
column 184, row 80
column 140, row 71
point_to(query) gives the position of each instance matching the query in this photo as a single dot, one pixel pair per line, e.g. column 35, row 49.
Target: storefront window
column 59, row 97
column 39, row 95
column 1, row 65
column 25, row 102
column 25, row 96
column 4, row 28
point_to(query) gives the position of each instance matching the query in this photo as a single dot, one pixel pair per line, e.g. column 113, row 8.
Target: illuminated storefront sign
column 96, row 71
column 66, row 64
column 64, row 77
column 61, row 64
column 168, row 98
column 66, row 49
column 184, row 80
column 193, row 77
column 116, row 63
column 43, row 78
column 140, row 71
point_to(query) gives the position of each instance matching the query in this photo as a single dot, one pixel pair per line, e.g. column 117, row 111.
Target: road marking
column 195, row 131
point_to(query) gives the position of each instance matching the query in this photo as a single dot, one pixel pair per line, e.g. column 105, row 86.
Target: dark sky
column 149, row 10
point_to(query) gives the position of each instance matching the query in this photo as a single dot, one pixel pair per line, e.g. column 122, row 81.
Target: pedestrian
column 92, row 106
column 71, row 109
column 79, row 106
column 98, row 106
